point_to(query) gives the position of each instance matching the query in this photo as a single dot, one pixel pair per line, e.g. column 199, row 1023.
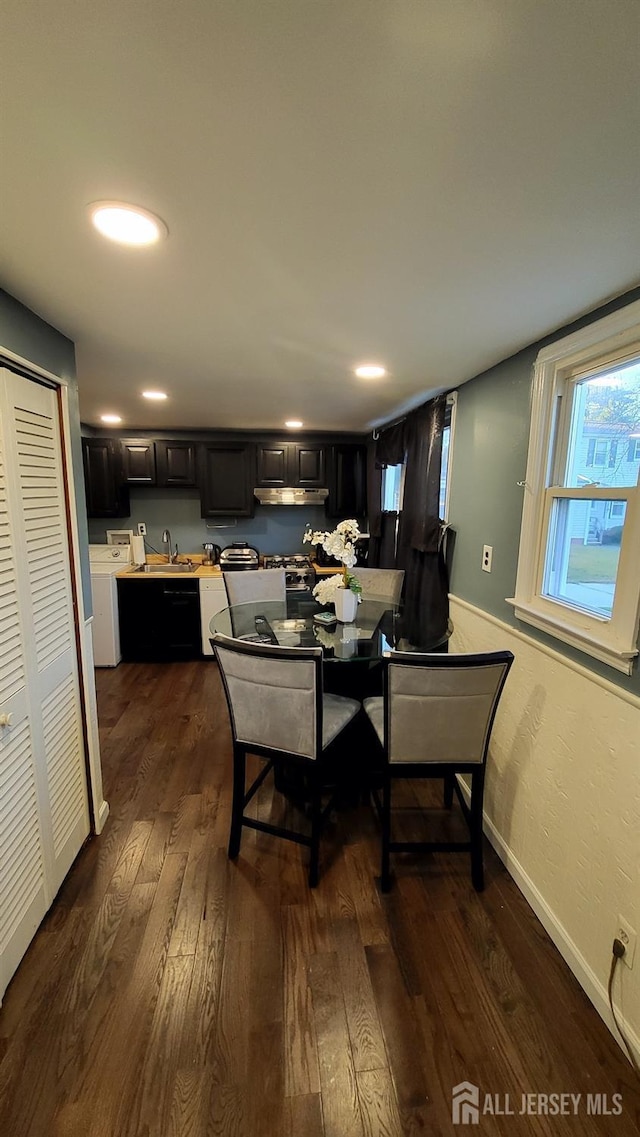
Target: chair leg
column 475, row 822
column 385, row 873
column 448, row 790
column 316, row 816
column 237, row 807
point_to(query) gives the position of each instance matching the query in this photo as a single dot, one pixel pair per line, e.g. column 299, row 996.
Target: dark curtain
column 374, row 499
column 390, row 445
column 387, row 450
column 420, row 554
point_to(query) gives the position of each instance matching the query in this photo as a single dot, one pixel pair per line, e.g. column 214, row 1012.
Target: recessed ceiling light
column 127, row 224
column 159, row 395
column 293, row 423
column 370, row 371
column 110, row 418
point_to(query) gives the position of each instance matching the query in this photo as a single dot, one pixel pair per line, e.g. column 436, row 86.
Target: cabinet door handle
column 5, row 720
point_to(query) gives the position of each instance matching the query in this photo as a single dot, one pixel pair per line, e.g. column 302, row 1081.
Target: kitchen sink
column 167, row 568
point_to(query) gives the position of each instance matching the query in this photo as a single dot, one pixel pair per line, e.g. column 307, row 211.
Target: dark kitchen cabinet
column 106, row 494
column 226, row 479
column 139, row 461
column 297, row 464
column 159, row 619
column 347, row 481
column 175, row 463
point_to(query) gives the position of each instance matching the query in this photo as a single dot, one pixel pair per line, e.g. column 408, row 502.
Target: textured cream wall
column 562, row 801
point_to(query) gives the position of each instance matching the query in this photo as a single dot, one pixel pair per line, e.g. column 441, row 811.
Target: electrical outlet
column 142, row 529
column 625, row 933
column 487, row 557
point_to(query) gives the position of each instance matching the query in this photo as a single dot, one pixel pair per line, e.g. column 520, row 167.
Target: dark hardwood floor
column 170, row 993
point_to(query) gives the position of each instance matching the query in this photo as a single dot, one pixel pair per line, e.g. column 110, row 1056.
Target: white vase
column 346, row 605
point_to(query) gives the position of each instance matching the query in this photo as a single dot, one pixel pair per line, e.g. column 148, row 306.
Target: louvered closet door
column 44, row 816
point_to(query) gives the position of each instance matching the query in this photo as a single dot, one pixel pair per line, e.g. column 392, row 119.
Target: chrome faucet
column 166, row 540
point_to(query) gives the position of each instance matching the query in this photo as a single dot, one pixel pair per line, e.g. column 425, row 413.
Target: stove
column 299, row 574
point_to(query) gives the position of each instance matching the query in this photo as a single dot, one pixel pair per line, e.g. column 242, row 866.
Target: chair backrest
column 440, row 708
column 383, row 583
column 260, row 584
column 274, row 695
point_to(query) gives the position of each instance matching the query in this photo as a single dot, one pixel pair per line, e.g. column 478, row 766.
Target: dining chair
column 257, row 584
column 383, row 584
column 279, row 711
column 434, row 720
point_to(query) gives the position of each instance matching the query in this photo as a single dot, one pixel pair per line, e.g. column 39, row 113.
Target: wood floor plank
column 303, row 1116
column 367, row 1043
column 153, row 1094
column 399, row 1024
column 340, row 1101
column 301, row 1073
column 378, row 1104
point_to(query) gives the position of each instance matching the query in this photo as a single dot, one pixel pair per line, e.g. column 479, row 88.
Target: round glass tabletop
column 378, row 627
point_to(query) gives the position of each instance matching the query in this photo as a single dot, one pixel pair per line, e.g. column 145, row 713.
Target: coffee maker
column 211, row 553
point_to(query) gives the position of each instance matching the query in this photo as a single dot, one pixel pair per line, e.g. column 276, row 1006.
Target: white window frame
column 612, row 641
column 452, row 401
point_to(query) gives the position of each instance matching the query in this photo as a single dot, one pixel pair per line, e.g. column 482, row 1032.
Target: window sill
column 619, row 658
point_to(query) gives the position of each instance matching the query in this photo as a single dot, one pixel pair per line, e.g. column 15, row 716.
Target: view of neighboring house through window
column 586, row 534
column 577, row 572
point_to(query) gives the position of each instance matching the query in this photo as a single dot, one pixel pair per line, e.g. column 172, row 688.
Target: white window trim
column 614, row 641
column 452, row 401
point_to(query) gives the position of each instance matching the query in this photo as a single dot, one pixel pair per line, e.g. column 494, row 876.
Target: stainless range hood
column 290, row 495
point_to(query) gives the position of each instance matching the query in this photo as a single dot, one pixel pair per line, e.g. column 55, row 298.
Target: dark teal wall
column 273, row 529
column 25, row 334
column 489, row 458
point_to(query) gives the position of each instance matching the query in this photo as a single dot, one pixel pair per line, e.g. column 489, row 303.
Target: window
column 392, row 488
column 577, row 567
column 447, row 448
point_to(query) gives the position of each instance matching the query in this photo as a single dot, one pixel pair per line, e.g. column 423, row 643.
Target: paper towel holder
column 138, row 553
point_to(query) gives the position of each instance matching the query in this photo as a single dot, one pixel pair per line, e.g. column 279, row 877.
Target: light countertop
column 202, row 572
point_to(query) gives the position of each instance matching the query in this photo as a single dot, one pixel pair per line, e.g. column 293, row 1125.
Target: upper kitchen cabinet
column 138, row 461
column 347, row 480
column 162, row 462
column 226, row 478
column 105, row 492
column 300, row 464
column 175, row 463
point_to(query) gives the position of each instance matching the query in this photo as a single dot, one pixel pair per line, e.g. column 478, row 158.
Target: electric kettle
column 211, row 553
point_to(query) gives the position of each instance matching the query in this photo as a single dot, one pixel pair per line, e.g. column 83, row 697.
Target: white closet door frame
column 47, row 679
column 100, row 808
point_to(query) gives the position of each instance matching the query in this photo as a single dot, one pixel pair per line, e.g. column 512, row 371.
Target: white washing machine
column 105, row 562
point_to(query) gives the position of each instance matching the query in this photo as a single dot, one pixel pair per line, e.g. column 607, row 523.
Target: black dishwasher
column 159, row 619
column 182, row 618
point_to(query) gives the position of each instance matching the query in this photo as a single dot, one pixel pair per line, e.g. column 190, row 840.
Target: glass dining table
column 378, row 627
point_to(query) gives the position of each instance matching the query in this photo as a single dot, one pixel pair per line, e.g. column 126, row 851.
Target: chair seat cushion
column 337, row 712
column 375, row 710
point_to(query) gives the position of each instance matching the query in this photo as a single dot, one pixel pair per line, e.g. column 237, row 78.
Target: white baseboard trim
column 574, row 959
column 101, row 817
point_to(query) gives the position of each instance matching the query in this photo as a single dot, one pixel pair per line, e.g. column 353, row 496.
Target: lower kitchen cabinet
column 159, row 619
column 213, row 598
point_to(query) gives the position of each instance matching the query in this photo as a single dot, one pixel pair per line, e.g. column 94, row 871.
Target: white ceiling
column 432, row 184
